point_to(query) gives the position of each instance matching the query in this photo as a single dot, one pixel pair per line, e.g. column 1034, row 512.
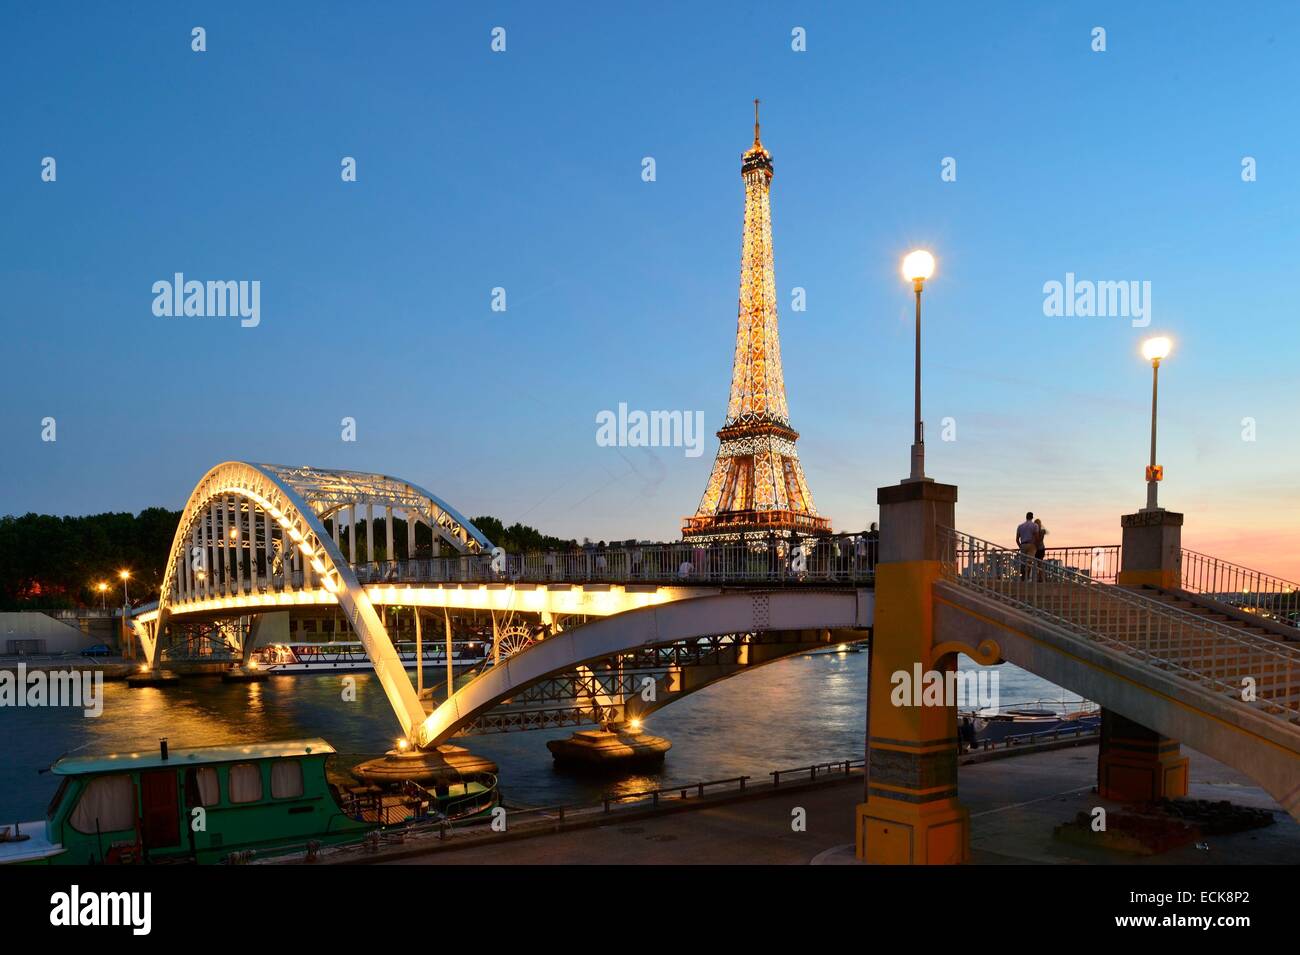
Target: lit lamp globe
column 1156, row 349
column 918, row 266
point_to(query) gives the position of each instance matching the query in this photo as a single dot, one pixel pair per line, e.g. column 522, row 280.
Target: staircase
column 1193, row 643
column 1253, row 592
column 1210, row 608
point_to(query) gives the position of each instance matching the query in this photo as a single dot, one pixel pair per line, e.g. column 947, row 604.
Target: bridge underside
column 593, row 600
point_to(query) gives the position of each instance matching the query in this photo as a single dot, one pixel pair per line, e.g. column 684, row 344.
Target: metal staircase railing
column 1214, row 655
column 1241, row 587
column 1100, row 562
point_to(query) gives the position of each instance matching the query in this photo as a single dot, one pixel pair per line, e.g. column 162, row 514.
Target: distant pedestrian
column 1027, row 541
column 1040, row 545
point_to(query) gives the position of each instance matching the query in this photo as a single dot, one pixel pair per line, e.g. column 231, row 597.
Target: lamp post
column 102, row 587
column 125, row 576
column 917, row 267
column 1154, row 350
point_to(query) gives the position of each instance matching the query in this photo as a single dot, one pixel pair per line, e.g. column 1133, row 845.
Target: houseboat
column 221, row 804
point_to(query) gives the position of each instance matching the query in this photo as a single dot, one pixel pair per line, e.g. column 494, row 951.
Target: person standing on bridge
column 1040, row 544
column 1027, row 540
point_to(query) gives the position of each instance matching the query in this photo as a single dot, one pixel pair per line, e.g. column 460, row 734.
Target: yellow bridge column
column 911, row 816
column 1136, row 764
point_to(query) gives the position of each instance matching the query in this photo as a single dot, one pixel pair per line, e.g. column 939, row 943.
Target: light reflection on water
column 810, row 709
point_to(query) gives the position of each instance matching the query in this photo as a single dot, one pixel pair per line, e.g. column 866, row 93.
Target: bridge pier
column 911, row 815
column 1136, row 764
column 618, row 747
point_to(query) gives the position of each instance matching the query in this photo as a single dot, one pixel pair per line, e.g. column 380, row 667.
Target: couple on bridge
column 1031, row 538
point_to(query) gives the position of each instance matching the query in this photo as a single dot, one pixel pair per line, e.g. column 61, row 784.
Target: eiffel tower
column 757, row 485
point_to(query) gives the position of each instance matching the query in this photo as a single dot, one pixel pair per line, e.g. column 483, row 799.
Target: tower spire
column 757, row 484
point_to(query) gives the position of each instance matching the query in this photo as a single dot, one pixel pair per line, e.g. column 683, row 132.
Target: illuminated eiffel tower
column 757, row 485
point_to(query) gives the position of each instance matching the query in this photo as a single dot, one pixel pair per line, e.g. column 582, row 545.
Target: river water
column 793, row 713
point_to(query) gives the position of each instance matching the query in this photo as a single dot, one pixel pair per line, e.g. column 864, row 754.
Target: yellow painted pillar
column 1136, row 764
column 911, row 815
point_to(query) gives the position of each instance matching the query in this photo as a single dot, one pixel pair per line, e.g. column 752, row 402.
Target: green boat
column 222, row 804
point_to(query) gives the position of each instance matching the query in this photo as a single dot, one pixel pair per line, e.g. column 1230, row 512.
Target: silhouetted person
column 1027, row 541
column 1040, row 544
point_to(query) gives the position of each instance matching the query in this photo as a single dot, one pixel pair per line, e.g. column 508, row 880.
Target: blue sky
column 522, row 170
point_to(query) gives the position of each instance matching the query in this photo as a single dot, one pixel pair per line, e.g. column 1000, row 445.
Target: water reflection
column 788, row 714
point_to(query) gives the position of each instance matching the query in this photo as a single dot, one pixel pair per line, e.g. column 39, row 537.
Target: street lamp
column 917, row 267
column 102, row 587
column 1154, row 350
column 125, row 575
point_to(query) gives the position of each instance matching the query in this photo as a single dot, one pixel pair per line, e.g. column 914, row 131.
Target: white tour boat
column 342, row 657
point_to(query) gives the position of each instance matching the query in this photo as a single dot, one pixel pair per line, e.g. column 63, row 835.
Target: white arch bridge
column 655, row 622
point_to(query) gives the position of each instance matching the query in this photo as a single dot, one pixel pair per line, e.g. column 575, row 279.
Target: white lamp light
column 1156, row 349
column 918, row 266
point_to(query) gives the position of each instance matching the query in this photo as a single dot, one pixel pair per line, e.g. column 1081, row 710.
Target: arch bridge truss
column 266, row 530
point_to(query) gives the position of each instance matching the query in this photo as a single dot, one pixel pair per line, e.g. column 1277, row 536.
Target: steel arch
column 329, row 490
column 296, row 498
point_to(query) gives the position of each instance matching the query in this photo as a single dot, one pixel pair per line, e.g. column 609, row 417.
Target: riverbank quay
column 1016, row 804
column 112, row 669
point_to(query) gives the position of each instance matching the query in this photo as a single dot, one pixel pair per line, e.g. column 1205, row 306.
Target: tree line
column 58, row 562
column 49, row 562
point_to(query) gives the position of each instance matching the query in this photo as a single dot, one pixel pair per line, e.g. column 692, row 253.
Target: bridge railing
column 1099, row 562
column 1205, row 651
column 839, row 558
column 1250, row 590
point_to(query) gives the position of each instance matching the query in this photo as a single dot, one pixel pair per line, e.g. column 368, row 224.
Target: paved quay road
column 1015, row 803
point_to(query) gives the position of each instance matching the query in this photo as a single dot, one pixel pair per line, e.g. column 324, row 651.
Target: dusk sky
column 522, row 170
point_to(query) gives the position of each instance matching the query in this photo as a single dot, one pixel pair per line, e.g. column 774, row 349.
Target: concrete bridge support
column 1136, row 764
column 911, row 815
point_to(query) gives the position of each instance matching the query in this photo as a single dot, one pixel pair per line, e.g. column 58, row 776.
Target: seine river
column 793, row 713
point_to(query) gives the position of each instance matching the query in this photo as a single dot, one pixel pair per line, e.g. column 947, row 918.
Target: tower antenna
column 756, row 122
